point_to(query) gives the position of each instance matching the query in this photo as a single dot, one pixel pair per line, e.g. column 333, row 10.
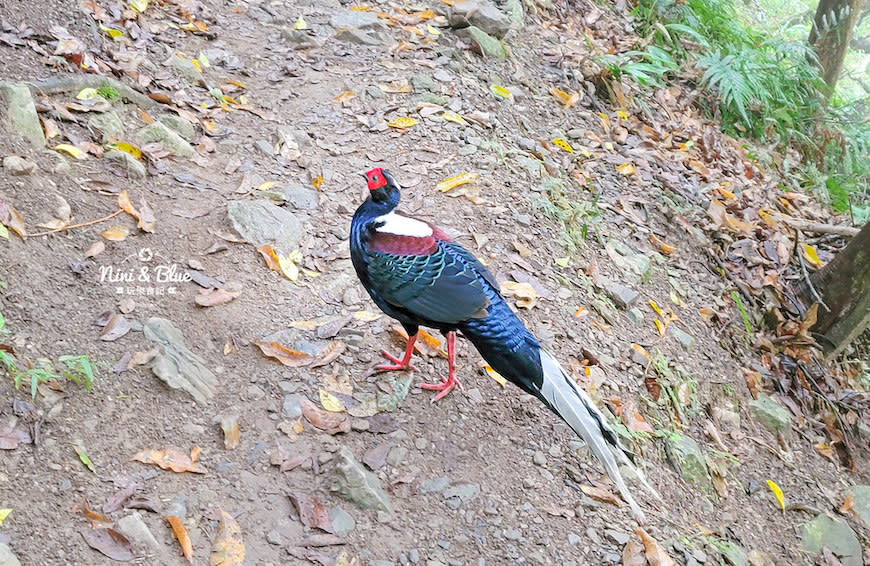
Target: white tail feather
column 581, row 414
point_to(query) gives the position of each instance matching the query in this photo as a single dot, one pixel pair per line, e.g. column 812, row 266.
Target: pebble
column 512, row 534
column 540, row 458
column 421, row 443
column 342, row 521
column 18, row 165
column 273, row 537
column 414, row 556
column 618, row 537
column 574, row 538
column 435, row 485
column 291, row 408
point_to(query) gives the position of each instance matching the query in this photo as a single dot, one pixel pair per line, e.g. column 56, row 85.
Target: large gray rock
column 358, row 20
column 134, row 168
column 22, row 112
column 482, row 14
column 861, row 502
column 176, row 365
column 826, row 531
column 7, row 557
column 359, row 486
column 107, row 123
column 771, row 414
column 260, row 222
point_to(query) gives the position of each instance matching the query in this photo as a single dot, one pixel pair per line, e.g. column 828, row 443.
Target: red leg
column 447, row 384
column 403, row 364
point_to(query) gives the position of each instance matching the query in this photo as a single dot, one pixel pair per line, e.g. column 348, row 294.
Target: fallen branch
column 817, row 227
column 75, row 83
column 82, row 225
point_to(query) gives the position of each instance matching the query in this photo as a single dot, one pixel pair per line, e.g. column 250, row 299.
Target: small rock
column 184, row 128
column 355, row 19
column 512, row 534
column 686, row 340
column 185, row 67
column 7, row 557
column 771, row 414
column 171, row 140
column 540, row 459
column 300, row 197
column 421, row 443
column 474, row 396
column 434, row 485
column 421, row 82
column 486, row 45
column 861, row 501
column 273, row 537
column 574, row 538
column 690, row 459
column 342, row 521
column 465, row 492
column 176, row 365
column 265, row 147
column 623, row 297
column 483, row 14
column 134, row 168
column 260, row 222
column 291, row 408
column 356, row 484
column 21, row 112
column 635, row 315
column 300, row 38
column 397, row 455
column 107, row 123
column 18, row 166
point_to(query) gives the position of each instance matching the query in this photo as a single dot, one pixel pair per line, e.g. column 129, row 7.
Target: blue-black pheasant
column 419, row 276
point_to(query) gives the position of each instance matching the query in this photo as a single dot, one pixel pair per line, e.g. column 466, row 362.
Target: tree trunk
column 831, row 33
column 844, row 286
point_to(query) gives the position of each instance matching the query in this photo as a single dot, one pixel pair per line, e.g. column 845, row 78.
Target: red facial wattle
column 376, row 178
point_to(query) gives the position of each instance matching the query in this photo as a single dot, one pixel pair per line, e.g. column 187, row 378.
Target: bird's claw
column 446, row 386
column 397, row 365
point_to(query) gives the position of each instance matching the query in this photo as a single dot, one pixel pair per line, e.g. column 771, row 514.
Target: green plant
column 36, row 376
column 575, row 216
column 747, row 323
column 109, row 92
column 79, row 370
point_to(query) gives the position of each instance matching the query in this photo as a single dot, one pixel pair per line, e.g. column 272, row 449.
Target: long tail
column 576, row 408
column 504, row 342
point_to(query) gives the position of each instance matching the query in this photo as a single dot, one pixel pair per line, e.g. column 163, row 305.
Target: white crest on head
column 403, row 226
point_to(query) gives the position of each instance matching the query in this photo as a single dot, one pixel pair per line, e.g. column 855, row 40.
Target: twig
column 83, row 224
column 816, row 296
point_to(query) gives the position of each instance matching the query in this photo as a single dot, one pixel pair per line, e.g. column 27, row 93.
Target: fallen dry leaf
column 525, row 293
column 288, row 357
column 172, row 460
column 333, row 423
column 655, row 554
column 180, row 532
column 311, row 512
column 10, row 438
column 230, row 428
column 632, row 554
column 215, row 297
column 329, row 353
column 116, row 233
column 228, row 548
column 109, row 542
column 117, row 327
column 600, row 494
column 10, row 218
column 95, row 249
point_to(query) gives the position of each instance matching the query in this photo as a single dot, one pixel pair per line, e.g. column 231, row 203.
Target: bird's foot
column 397, row 365
column 446, row 386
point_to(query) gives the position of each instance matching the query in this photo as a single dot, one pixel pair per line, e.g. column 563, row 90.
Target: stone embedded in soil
column 259, row 222
column 7, row 557
column 487, row 45
column 342, row 521
column 355, row 19
column 134, row 168
column 133, row 527
column 826, row 531
column 107, row 123
column 690, row 459
column 18, row 166
column 176, row 365
column 185, row 67
column 434, row 485
column 482, row 14
column 178, row 124
column 291, row 408
column 686, row 340
column 301, row 198
column 465, row 492
column 171, row 140
column 771, row 414
column 356, row 484
column 21, row 112
column 623, row 297
column 861, row 502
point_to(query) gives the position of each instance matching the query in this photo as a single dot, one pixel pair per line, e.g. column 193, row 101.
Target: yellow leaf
column 562, row 144
column 71, row 150
column 330, row 402
column 116, row 233
column 366, row 316
column 4, row 233
column 431, row 342
column 809, row 253
column 661, row 246
column 111, row 32
column 566, row 99
column 266, row 185
column 288, row 267
column 345, row 96
column 777, row 491
column 495, row 375
column 455, row 118
column 228, row 548
column 300, row 23
column 402, row 122
column 562, row 261
column 317, row 182
column 87, row 94
column 622, row 114
column 432, row 30
column 361, row 8
column 660, row 327
column 456, row 180
column 3, row 514
column 180, row 532
column 525, row 294
column 626, row 169
column 655, row 307
column 139, row 5
column 500, row 91
column 126, row 148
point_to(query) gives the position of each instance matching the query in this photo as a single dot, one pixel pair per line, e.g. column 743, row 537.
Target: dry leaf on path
column 215, row 297
column 311, row 512
column 109, row 542
column 333, row 423
column 10, row 218
column 95, row 249
column 10, row 438
column 172, row 460
column 330, row 402
column 288, row 357
column 329, row 353
column 228, row 548
column 230, row 428
column 116, row 233
column 525, row 293
column 117, row 327
column 655, row 554
column 600, row 494
column 180, row 532
column 632, row 554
